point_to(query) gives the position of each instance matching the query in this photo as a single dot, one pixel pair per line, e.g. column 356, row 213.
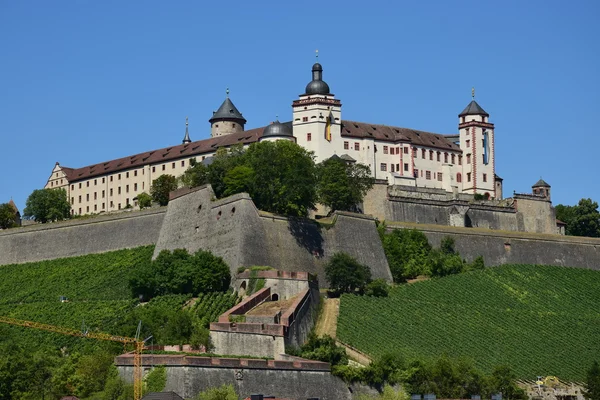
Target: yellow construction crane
column 137, row 354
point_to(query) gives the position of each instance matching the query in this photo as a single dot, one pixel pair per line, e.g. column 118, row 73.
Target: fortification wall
column 504, row 247
column 80, row 236
column 187, row 376
column 234, row 229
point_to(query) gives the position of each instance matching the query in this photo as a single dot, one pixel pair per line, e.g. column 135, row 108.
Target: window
column 72, row 200
column 119, row 190
column 103, row 180
column 304, row 119
column 111, row 193
column 87, row 197
column 119, row 206
column 87, row 184
column 135, row 172
column 428, row 175
column 406, row 150
column 103, row 206
column 414, row 152
column 127, row 201
column 468, row 177
column 112, row 205
column 103, row 194
column 356, row 146
column 385, row 149
column 79, row 210
column 111, row 178
column 172, row 165
column 95, row 195
column 467, row 131
column 126, row 188
column 87, row 209
column 308, row 137
column 485, row 177
column 72, row 187
column 383, row 166
column 153, row 169
column 458, row 177
column 95, row 182
column 127, row 174
column 431, row 155
column 397, row 150
column 439, row 176
column 119, row 177
column 392, row 168
column 446, row 157
column 468, row 159
column 95, row 207
column 164, row 167
column 135, row 187
column 468, row 142
column 423, row 152
column 453, row 158
column 79, row 185
column 346, row 145
column 459, row 160
column 439, row 156
column 398, row 167
column 406, row 167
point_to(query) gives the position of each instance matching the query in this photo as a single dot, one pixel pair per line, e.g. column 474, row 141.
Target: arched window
column 274, row 297
column 458, row 177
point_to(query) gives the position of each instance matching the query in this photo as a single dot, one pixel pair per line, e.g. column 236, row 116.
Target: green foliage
column 346, row 275
column 224, row 392
column 144, row 200
column 161, row 187
column 239, row 179
column 323, row 349
column 407, row 251
column 342, row 185
column 592, row 382
column 7, row 216
column 488, row 315
column 582, row 219
column 156, row 379
column 47, row 205
column 179, row 272
column 388, row 393
column 377, row 288
column 195, row 175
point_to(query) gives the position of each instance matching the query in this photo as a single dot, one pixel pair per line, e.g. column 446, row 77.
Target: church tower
column 477, row 143
column 226, row 120
column 317, row 118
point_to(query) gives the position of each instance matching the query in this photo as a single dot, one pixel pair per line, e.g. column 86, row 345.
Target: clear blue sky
column 88, row 81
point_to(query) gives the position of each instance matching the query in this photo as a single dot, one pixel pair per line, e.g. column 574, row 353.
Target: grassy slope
column 540, row 320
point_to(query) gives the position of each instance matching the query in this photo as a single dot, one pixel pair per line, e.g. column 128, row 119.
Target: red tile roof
column 348, row 128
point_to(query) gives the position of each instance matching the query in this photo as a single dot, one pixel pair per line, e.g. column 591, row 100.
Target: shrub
column 377, row 288
column 156, row 379
column 144, row 200
column 224, row 392
column 346, row 275
column 324, row 349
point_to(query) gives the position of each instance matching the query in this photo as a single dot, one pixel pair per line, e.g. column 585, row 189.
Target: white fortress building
column 458, row 163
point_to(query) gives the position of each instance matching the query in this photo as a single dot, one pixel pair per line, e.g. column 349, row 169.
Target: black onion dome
column 317, row 85
column 277, row 129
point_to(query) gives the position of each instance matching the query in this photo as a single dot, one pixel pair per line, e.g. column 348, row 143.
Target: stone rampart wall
column 80, row 236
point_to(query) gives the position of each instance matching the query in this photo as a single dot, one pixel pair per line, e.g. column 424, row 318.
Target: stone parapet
column 248, row 304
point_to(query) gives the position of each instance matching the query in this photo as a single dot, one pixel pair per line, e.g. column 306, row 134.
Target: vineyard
column 97, row 294
column 540, row 320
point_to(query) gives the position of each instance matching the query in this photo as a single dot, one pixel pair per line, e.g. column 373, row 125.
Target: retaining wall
column 80, row 236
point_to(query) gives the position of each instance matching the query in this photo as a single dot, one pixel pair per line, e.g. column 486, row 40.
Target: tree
column 46, row 205
column 407, row 251
column 592, row 383
column 144, row 200
column 223, row 392
column 582, row 219
column 342, row 185
column 503, row 380
column 195, row 175
column 7, row 216
column 346, row 275
column 161, row 187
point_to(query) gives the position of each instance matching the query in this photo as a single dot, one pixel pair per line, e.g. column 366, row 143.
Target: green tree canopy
column 161, row 187
column 342, row 185
column 7, row 216
column 144, row 200
column 582, row 219
column 46, row 205
column 346, row 275
column 592, row 383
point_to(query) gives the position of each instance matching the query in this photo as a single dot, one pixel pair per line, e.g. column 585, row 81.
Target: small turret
column 541, row 188
column 227, row 119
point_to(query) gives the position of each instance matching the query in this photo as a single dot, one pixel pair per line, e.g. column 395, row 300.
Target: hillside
column 540, row 320
column 98, row 294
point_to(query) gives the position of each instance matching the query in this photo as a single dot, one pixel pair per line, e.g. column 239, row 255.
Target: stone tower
column 226, row 120
column 542, row 188
column 477, row 143
column 317, row 118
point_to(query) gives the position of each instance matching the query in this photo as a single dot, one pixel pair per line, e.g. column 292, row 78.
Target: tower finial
column 473, row 92
column 227, row 92
column 317, row 54
column 186, row 138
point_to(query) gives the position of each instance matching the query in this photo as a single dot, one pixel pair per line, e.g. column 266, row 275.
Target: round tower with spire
column 477, row 143
column 227, row 119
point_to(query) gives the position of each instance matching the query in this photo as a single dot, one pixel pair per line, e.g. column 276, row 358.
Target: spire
column 227, row 93
column 227, row 112
column 473, row 92
column 473, row 108
column 186, row 138
column 317, row 54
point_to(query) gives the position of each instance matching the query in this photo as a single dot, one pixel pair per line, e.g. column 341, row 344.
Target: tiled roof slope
column 396, row 134
column 349, row 129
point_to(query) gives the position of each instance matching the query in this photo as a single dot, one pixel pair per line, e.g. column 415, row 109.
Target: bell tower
column 477, row 144
column 317, row 117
